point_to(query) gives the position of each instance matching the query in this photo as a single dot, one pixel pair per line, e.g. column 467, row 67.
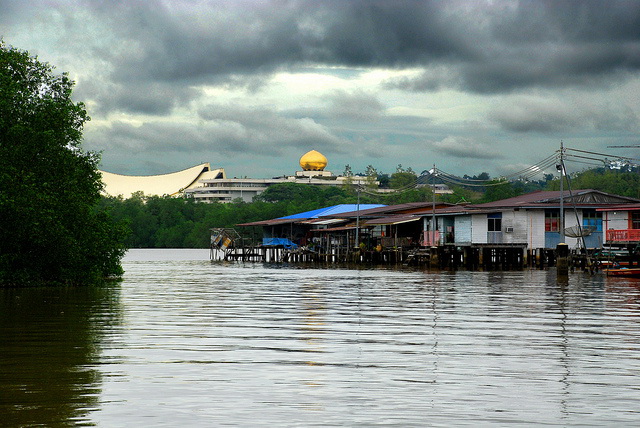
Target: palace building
column 172, row 184
column 313, row 164
column 212, row 185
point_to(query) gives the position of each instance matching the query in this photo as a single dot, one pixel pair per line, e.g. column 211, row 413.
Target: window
column 635, row 219
column 593, row 219
column 494, row 222
column 552, row 221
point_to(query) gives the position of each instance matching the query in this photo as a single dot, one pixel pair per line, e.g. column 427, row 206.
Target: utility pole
column 358, row 218
column 562, row 237
column 433, row 212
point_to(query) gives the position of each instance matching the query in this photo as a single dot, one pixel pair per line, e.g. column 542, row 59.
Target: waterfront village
column 599, row 230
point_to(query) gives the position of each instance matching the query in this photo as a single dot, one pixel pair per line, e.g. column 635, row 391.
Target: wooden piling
column 562, row 259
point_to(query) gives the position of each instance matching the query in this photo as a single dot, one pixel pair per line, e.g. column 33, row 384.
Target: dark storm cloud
column 267, row 129
column 222, row 129
column 540, row 67
column 153, row 98
column 479, row 46
column 528, row 114
column 162, row 139
column 515, row 45
column 219, row 42
column 465, row 148
column 357, row 105
column 211, row 41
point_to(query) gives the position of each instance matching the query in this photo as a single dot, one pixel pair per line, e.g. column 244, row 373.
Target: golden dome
column 313, row 161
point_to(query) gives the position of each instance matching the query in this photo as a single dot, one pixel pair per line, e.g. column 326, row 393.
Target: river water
column 182, row 341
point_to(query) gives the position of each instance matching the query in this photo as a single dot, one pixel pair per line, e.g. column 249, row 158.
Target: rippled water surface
column 182, row 341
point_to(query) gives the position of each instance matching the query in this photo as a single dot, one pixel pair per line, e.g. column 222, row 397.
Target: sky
column 250, row 86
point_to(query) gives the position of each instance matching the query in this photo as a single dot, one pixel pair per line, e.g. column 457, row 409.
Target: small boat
column 610, row 264
column 625, row 272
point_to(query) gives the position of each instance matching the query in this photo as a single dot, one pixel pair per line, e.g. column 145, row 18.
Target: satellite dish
column 579, row 231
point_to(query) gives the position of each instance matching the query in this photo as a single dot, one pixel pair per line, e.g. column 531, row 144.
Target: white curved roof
column 165, row 184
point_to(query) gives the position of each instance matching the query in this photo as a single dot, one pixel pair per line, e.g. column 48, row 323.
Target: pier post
column 434, row 260
column 562, row 259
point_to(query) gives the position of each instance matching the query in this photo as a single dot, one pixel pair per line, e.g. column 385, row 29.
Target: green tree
column 372, row 177
column 403, row 178
column 348, row 181
column 288, row 192
column 460, row 195
column 52, row 229
column 384, row 180
column 498, row 190
column 618, row 182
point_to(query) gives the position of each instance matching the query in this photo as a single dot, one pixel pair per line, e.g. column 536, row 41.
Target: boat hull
column 624, row 272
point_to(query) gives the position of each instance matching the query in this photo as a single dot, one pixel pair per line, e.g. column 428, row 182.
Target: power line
column 586, row 157
column 603, row 154
column 525, row 173
column 582, row 162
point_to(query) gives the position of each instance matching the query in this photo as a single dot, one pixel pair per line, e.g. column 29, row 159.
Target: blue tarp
column 336, row 209
column 272, row 242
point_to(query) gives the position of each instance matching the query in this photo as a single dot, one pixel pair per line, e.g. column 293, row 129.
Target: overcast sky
column 250, row 86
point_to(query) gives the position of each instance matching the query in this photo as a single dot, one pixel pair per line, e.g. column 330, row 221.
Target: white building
column 531, row 220
column 225, row 190
column 212, row 185
column 172, row 184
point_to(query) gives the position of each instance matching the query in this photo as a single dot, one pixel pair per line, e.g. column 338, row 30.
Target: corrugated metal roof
column 389, row 209
column 540, row 199
column 396, row 219
column 456, row 209
column 325, row 221
column 552, row 198
column 334, row 229
column 320, row 212
column 626, row 207
column 272, row 222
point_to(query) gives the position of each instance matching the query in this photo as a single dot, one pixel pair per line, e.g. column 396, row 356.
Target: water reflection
column 186, row 342
column 313, row 310
column 49, row 344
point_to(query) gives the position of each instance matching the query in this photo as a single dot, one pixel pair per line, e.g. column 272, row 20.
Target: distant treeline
column 166, row 222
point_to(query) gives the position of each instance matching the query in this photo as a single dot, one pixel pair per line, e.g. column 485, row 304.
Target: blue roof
column 336, row 209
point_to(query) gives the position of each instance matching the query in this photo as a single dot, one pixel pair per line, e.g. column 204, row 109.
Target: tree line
column 168, row 222
column 52, row 230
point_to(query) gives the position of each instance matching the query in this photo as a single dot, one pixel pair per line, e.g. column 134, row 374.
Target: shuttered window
column 552, row 220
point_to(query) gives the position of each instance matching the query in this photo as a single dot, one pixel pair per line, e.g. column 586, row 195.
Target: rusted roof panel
column 626, row 207
column 552, row 198
column 391, row 220
column 390, row 209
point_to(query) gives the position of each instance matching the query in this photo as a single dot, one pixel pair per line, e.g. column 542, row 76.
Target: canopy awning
column 393, row 220
column 334, row 229
column 325, row 221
